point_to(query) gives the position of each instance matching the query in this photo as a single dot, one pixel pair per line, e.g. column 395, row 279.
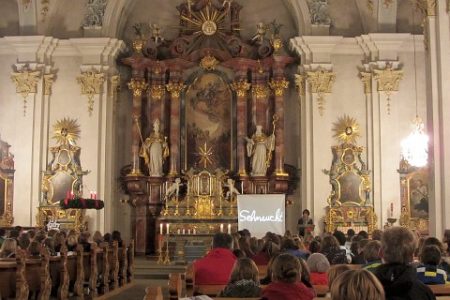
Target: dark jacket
column 336, row 256
column 400, row 283
column 241, row 289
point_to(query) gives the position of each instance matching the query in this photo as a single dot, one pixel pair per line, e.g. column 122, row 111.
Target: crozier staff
column 304, row 221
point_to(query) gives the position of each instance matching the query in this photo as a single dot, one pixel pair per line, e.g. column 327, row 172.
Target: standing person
column 286, row 284
column 216, row 266
column 303, row 222
column 397, row 276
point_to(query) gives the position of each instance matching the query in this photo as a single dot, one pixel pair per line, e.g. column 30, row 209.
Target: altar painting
column 208, row 106
column 418, row 195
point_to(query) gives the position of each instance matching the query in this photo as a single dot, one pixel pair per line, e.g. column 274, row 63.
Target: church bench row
column 101, row 269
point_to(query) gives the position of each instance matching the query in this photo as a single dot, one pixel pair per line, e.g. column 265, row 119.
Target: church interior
column 153, row 118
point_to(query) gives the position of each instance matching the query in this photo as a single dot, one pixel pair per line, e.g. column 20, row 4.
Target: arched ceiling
column 348, row 17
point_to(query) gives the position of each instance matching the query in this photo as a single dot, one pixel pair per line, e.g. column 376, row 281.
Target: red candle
column 95, row 196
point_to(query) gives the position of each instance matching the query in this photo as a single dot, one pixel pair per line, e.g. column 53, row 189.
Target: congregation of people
column 32, row 241
column 394, row 264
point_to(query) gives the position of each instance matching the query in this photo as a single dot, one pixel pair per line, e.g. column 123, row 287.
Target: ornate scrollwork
column 209, row 62
column 278, row 86
column 260, row 91
column 26, row 83
column 91, row 84
column 321, row 82
column 366, row 78
column 240, row 87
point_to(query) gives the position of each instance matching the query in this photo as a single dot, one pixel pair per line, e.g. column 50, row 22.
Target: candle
column 167, row 228
column 95, row 195
column 242, row 187
column 184, row 231
column 178, row 231
column 189, row 231
column 229, row 228
column 194, row 231
column 91, row 195
column 161, row 228
column 221, row 227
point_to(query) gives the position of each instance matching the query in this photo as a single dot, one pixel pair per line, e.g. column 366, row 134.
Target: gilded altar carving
column 209, row 62
column 63, row 176
column 6, row 184
column 388, row 80
column 26, row 83
column 426, row 7
column 157, row 91
column 321, row 82
column 175, row 88
column 349, row 201
column 414, row 195
column 91, row 84
column 278, row 86
column 260, row 91
column 138, row 86
column 240, row 87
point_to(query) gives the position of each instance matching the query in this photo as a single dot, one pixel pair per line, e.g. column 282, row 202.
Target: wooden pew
column 123, row 265
column 90, row 270
column 113, row 261
column 13, row 282
column 103, row 268
column 153, row 293
column 37, row 275
column 176, row 286
column 59, row 274
column 440, row 289
column 130, row 256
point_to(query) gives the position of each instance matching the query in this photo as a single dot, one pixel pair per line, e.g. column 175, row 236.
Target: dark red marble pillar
column 174, row 89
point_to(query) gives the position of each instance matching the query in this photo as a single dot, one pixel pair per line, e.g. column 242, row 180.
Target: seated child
column 244, row 280
column 372, row 255
column 428, row 271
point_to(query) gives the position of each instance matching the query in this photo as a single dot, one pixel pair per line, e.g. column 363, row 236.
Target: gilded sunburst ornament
column 206, row 153
column 66, row 131
column 346, row 130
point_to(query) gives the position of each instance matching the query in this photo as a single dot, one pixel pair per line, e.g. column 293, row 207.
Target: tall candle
column 221, row 227
column 167, row 228
column 161, row 228
column 229, row 228
column 94, row 195
column 242, row 187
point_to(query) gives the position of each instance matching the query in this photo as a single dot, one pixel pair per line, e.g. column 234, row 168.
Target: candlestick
column 221, row 227
column 229, row 228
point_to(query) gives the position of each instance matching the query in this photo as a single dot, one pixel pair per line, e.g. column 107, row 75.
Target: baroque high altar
column 207, row 120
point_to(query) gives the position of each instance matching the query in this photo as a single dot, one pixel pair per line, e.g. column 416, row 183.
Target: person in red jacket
column 216, row 266
column 286, row 285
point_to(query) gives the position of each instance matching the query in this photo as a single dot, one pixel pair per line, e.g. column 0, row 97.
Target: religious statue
column 232, row 190
column 260, row 35
column 260, row 147
column 173, row 189
column 156, row 34
column 154, row 150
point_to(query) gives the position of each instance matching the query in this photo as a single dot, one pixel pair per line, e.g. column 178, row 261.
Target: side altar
column 207, row 107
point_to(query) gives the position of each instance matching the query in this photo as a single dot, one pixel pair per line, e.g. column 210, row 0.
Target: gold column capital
column 48, row 82
column 321, row 82
column 157, row 91
column 240, row 87
column 388, row 79
column 426, row 7
column 25, row 81
column 91, row 84
column 260, row 90
column 279, row 85
column 300, row 84
column 175, row 88
column 137, row 85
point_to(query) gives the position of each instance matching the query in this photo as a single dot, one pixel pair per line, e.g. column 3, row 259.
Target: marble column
column 175, row 89
column 241, row 86
column 138, row 86
column 278, row 86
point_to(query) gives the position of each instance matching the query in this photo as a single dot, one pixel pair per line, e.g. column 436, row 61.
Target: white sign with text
column 261, row 213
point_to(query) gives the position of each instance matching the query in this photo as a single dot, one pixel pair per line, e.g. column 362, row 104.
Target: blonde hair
column 97, row 237
column 244, row 268
column 335, row 271
column 356, row 285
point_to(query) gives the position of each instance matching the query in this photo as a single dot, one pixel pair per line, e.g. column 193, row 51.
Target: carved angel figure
column 261, row 30
column 232, row 190
column 173, row 189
